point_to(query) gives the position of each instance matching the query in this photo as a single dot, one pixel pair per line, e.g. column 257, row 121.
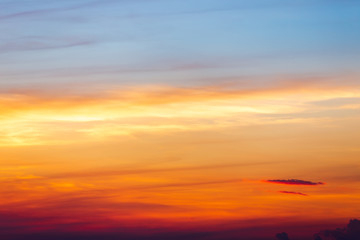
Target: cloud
column 298, row 193
column 22, row 226
column 146, row 95
column 190, row 184
column 86, row 218
column 30, row 44
column 282, row 236
column 350, row 232
column 294, row 182
column 337, row 102
column 170, row 12
column 105, row 202
column 114, row 172
column 109, row 112
column 53, row 10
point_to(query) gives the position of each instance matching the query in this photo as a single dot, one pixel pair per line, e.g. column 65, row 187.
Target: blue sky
column 175, row 42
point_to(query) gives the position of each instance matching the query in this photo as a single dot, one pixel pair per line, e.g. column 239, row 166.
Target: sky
column 178, row 119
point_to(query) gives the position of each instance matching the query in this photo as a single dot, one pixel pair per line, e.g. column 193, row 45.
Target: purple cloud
column 350, row 232
column 294, row 182
column 296, row 193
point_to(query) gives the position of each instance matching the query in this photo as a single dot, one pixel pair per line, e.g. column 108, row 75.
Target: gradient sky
column 178, row 119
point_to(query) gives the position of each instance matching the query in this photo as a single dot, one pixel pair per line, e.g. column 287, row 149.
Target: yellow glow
column 170, row 154
column 151, row 110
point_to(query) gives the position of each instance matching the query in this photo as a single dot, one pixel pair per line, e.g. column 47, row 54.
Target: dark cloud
column 297, row 193
column 282, row 236
column 39, row 226
column 293, row 182
column 38, row 229
column 317, row 237
column 350, row 232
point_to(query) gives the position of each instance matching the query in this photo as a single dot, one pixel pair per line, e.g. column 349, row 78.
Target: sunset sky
column 178, row 119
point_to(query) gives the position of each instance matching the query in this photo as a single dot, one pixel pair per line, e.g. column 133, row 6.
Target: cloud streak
column 41, row 44
column 44, row 11
column 293, row 182
column 105, row 113
column 153, row 170
column 146, row 95
column 295, row 193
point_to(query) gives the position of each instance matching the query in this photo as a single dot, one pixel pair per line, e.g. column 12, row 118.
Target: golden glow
column 33, row 120
column 155, row 152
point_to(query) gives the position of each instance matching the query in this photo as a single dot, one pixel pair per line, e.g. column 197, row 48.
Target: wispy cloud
column 296, row 193
column 51, row 10
column 189, row 184
column 134, row 171
column 293, row 182
column 162, row 94
column 29, row 44
column 342, row 103
column 106, row 112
